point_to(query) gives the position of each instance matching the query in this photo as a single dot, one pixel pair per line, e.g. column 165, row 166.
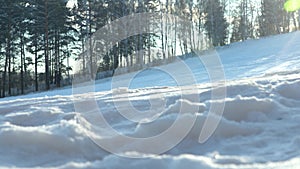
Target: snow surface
column 259, row 127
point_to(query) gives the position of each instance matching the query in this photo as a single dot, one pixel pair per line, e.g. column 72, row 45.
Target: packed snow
column 259, row 127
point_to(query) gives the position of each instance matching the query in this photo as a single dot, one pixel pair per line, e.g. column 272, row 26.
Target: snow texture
column 259, row 127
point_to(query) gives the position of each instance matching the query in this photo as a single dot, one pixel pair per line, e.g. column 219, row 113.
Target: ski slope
column 259, row 127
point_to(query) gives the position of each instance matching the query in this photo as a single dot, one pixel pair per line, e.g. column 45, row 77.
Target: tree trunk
column 22, row 64
column 9, row 64
column 163, row 36
column 4, row 77
column 47, row 78
column 36, row 68
column 90, row 42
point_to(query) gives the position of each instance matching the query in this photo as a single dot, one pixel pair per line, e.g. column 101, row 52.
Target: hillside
column 259, row 126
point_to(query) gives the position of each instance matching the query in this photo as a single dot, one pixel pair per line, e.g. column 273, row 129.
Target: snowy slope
column 259, row 127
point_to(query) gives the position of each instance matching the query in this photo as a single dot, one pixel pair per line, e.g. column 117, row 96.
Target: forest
column 39, row 39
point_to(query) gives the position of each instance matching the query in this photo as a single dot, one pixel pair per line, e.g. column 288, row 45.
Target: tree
column 243, row 21
column 215, row 24
column 35, row 32
column 8, row 21
column 22, row 28
column 273, row 19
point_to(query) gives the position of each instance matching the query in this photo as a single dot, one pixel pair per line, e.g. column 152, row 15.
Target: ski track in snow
column 259, row 127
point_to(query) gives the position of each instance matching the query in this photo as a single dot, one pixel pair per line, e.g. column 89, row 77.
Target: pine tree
column 8, row 20
column 273, row 19
column 21, row 28
column 35, row 31
column 216, row 24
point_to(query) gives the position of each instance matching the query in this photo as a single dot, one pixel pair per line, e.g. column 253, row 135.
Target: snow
column 259, row 127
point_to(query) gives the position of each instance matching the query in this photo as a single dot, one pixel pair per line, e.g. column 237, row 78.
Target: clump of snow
column 289, row 89
column 242, row 108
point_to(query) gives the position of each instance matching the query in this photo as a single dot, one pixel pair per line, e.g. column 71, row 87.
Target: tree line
column 39, row 38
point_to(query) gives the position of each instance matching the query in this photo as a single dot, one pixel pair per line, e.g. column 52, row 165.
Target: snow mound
column 289, row 89
column 248, row 108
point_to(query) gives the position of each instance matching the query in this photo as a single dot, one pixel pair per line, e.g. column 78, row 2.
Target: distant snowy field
column 260, row 127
